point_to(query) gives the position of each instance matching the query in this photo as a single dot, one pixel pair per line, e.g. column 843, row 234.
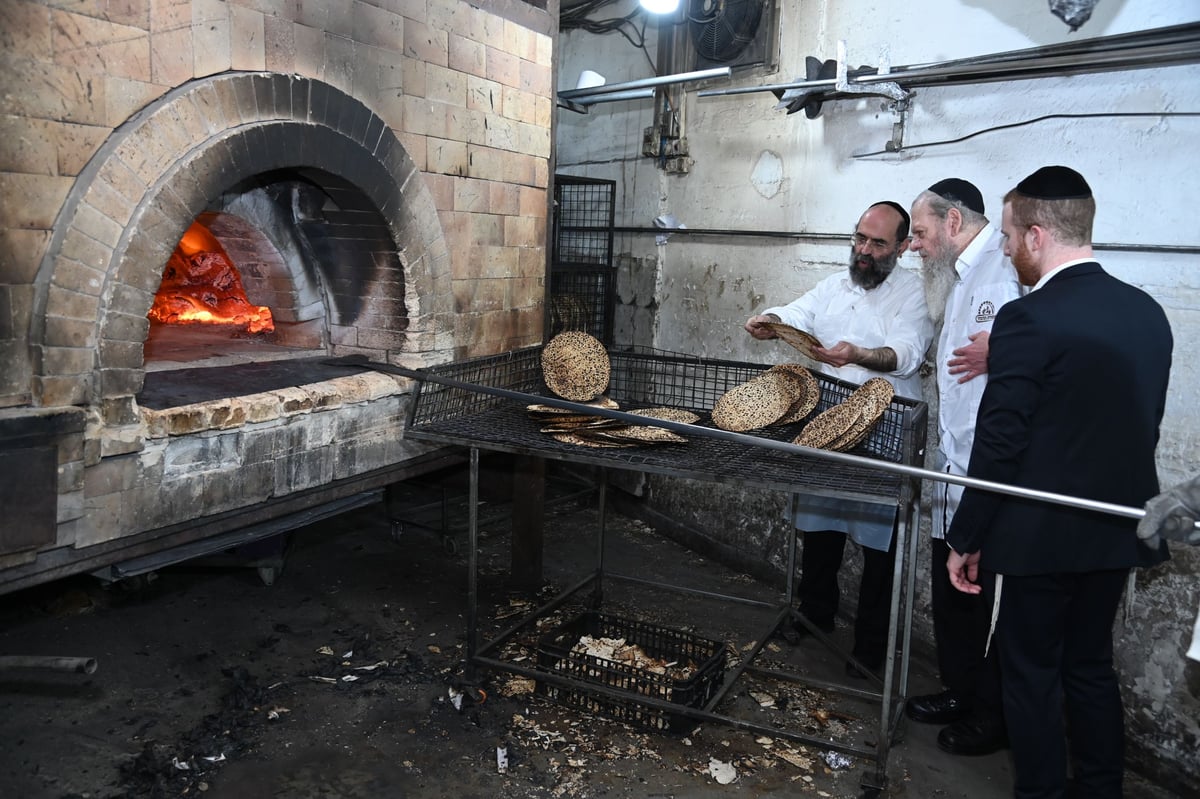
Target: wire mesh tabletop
column 471, row 417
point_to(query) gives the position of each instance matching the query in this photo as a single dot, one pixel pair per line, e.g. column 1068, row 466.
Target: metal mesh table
column 480, row 404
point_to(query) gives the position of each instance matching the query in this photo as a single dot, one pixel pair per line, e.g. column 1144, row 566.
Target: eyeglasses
column 876, row 245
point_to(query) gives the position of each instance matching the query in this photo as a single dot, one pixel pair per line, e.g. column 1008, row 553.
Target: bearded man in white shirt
column 964, row 262
column 877, row 318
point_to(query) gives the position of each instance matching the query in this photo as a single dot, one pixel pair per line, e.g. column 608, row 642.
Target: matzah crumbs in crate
column 657, row 662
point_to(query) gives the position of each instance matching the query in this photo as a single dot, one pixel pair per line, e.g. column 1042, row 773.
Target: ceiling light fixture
column 660, row 6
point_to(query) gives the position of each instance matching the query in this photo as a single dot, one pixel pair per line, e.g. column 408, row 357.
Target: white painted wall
column 757, row 168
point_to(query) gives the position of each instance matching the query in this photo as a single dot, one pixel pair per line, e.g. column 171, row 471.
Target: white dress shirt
column 892, row 314
column 986, row 281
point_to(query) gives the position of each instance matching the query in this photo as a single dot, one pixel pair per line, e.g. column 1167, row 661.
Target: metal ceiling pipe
column 612, row 97
column 1179, row 44
column 642, row 83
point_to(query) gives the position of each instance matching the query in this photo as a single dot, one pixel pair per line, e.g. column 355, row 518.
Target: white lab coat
column 986, row 281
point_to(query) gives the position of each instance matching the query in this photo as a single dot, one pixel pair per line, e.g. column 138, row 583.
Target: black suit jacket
column 1077, row 382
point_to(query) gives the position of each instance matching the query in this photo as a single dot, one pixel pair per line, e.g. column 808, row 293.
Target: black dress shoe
column 972, row 737
column 943, row 708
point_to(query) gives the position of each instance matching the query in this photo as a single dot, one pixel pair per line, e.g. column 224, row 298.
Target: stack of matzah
column 587, row 430
column 783, row 394
column 845, row 425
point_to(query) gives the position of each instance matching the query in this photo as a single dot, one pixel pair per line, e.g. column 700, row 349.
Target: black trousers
column 1055, row 636
column 820, row 560
column 960, row 628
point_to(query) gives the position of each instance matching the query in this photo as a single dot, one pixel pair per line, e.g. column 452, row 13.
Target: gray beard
column 939, row 277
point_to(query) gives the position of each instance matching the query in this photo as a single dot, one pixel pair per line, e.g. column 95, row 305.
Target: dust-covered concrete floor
column 343, row 679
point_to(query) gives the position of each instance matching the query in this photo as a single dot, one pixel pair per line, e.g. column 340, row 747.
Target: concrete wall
column 760, row 169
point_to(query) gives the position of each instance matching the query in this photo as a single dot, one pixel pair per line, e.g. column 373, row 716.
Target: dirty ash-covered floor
column 343, row 678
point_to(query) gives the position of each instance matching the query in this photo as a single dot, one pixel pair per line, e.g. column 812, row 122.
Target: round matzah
column 756, row 403
column 828, row 425
column 810, row 391
column 798, row 338
column 644, row 434
column 680, row 415
column 582, row 441
column 571, row 423
column 874, row 397
column 599, row 402
column 575, row 366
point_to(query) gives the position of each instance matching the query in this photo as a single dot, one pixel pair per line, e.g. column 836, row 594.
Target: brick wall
column 112, row 141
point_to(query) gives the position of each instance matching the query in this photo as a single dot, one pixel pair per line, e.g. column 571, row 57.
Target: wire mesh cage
column 583, row 299
column 582, row 277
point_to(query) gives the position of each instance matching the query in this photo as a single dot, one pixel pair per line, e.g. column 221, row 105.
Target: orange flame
column 200, row 285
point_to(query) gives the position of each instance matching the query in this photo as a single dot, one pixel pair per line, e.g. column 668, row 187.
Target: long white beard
column 939, row 276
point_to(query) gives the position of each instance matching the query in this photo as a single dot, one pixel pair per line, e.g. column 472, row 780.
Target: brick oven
column 373, row 173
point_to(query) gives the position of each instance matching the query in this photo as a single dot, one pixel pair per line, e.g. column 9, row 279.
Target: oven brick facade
column 107, row 101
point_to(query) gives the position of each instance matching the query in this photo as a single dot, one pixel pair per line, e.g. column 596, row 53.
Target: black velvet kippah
column 898, row 208
column 959, row 190
column 1055, row 183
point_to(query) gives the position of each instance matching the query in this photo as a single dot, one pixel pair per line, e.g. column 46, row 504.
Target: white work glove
column 1172, row 515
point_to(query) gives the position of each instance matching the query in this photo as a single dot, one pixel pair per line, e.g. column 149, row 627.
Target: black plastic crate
column 555, row 655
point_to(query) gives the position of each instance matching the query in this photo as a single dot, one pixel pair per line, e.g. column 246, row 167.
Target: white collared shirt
column 893, row 314
column 1046, row 277
column 986, row 281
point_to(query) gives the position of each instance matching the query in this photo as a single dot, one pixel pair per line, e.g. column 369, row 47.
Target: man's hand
column 757, row 326
column 970, row 361
column 964, row 571
column 877, row 359
column 839, row 354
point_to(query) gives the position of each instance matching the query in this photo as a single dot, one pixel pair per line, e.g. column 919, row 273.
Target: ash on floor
column 345, row 679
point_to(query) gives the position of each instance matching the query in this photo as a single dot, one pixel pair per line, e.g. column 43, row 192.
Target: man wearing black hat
column 963, row 251
column 873, row 322
column 1077, row 383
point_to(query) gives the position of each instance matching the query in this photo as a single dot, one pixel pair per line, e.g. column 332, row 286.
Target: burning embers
column 200, row 285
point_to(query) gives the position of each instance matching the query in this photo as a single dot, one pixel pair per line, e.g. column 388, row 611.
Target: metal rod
column 766, row 443
column 642, row 83
column 835, row 238
column 51, row 662
column 700, row 592
column 1178, row 44
column 612, row 97
column 473, row 555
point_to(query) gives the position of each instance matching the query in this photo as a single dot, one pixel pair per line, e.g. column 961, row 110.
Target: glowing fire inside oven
column 200, row 285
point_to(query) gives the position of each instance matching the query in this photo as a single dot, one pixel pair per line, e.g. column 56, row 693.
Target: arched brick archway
column 170, row 163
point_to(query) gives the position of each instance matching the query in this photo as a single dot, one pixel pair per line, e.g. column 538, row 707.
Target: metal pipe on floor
column 51, row 662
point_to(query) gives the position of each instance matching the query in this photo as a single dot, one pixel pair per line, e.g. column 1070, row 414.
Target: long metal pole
column 1159, row 47
column 642, row 83
column 766, row 443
